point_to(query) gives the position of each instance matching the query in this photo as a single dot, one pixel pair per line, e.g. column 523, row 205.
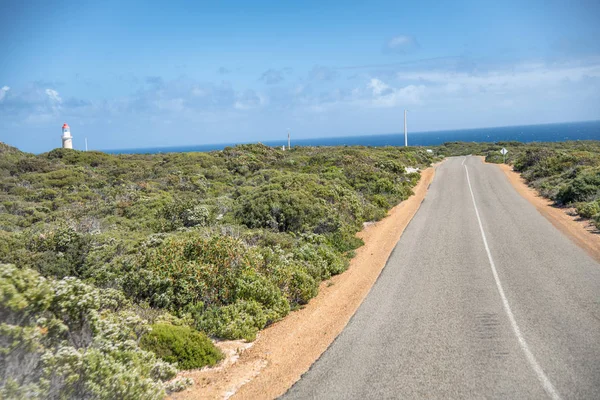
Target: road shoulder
column 287, row 349
column 581, row 232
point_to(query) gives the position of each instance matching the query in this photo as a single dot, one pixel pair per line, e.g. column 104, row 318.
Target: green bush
column 59, row 253
column 292, row 275
column 585, row 187
column 184, row 271
column 183, row 214
column 596, row 221
column 241, row 320
column 253, row 286
column 181, row 345
column 281, row 210
column 298, row 284
column 181, row 273
column 495, row 157
column 344, row 240
column 589, row 210
column 321, row 260
column 67, row 339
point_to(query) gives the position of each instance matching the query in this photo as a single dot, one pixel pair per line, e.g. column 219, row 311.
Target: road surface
column 481, row 298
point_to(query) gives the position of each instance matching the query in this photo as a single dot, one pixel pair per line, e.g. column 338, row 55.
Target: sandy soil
column 582, row 232
column 287, row 349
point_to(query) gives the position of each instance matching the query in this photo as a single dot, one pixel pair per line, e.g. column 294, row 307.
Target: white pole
column 85, row 144
column 289, row 139
column 405, row 132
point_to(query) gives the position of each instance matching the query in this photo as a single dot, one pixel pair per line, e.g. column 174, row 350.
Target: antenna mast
column 405, row 131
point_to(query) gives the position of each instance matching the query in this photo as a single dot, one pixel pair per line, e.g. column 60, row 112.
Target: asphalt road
column 453, row 315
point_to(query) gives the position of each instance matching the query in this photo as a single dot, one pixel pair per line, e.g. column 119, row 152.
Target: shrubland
column 68, row 339
column 120, row 265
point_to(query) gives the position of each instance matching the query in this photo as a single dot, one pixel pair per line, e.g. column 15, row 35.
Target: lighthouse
column 67, row 139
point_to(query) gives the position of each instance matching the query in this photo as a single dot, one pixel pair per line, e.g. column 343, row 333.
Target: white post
column 85, row 144
column 289, row 139
column 405, row 132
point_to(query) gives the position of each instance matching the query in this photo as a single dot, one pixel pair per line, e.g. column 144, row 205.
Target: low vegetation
column 67, row 339
column 118, row 266
column 180, row 345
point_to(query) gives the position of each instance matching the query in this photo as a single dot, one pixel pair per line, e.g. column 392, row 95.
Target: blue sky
column 155, row 73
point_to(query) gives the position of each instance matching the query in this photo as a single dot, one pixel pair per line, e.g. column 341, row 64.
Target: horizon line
column 226, row 144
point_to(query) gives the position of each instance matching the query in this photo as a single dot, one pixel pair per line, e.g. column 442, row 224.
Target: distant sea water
column 528, row 133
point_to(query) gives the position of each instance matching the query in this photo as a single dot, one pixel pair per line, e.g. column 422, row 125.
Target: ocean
column 528, row 133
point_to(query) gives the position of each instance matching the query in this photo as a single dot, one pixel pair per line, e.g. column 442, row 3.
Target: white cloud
column 399, row 41
column 377, row 86
column 249, row 100
column 383, row 95
column 402, row 44
column 53, row 95
column 518, row 77
column 3, row 92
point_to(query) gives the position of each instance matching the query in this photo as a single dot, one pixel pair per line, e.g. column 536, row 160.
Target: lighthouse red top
column 65, row 125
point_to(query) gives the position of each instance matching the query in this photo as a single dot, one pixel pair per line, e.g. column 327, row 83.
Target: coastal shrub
column 585, row 187
column 181, row 345
column 344, row 240
column 199, row 269
column 240, row 320
column 596, row 221
column 267, row 239
column 321, row 261
column 33, row 164
column 58, row 252
column 589, row 210
column 216, row 271
column 496, row 157
column 197, row 215
column 281, row 210
column 66, row 339
column 244, row 234
column 179, row 214
column 533, row 158
column 290, row 275
column 252, row 286
column 374, row 212
column 298, row 284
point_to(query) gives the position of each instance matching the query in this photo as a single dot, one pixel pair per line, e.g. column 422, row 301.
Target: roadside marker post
column 504, row 151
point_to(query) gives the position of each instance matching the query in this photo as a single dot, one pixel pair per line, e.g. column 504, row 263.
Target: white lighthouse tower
column 67, row 139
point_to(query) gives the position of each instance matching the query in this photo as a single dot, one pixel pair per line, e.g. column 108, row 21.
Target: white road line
column 464, row 159
column 528, row 354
